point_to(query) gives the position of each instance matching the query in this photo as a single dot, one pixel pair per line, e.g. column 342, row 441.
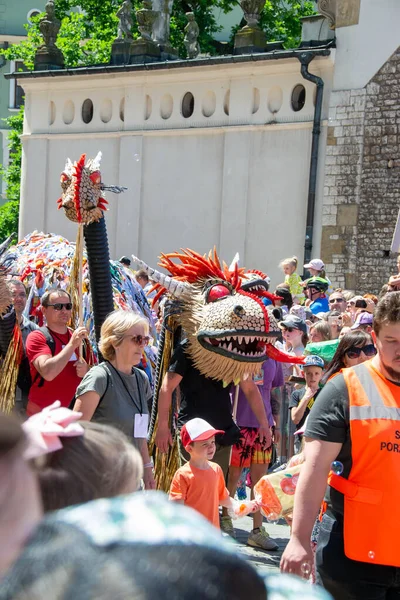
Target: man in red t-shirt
column 55, row 376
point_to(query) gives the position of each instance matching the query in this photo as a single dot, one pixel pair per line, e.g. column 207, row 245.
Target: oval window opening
column 122, row 110
column 256, row 100
column 298, row 99
column 227, row 102
column 52, row 112
column 148, row 107
column 187, row 105
column 87, row 111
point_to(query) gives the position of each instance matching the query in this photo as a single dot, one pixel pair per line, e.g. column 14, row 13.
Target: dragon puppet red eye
column 216, row 292
column 95, row 177
column 64, row 178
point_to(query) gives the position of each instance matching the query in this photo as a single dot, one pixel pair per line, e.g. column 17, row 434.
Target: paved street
column 261, row 559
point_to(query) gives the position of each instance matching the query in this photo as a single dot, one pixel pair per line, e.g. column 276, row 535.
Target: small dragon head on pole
column 83, row 191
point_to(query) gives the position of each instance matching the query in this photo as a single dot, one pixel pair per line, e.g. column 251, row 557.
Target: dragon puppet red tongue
column 284, row 357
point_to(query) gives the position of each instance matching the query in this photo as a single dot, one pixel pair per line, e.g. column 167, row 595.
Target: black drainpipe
column 305, row 58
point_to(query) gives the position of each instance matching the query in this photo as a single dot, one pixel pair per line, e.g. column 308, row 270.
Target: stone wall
column 380, row 185
column 342, row 186
column 361, row 194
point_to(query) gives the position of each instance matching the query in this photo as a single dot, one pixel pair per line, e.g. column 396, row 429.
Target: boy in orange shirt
column 200, row 483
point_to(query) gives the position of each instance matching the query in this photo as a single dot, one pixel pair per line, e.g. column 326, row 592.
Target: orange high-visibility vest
column 372, row 490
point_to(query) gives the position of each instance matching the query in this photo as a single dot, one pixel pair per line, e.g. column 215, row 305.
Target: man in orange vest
column 354, row 424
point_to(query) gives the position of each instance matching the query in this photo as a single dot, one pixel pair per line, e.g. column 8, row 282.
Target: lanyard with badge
column 141, row 422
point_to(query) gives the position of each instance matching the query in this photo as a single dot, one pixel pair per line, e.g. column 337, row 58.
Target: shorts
column 250, row 450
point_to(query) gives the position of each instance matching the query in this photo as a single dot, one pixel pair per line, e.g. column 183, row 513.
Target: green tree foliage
column 86, row 37
column 281, row 20
column 9, row 212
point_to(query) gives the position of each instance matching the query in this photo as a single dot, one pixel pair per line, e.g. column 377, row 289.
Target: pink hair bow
column 45, row 429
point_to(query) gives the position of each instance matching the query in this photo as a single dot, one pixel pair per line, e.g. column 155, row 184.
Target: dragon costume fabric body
column 228, row 329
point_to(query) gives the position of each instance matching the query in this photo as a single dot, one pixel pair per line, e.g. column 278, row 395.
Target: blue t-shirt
column 320, row 305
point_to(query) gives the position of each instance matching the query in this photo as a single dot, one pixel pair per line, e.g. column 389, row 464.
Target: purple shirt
column 272, row 378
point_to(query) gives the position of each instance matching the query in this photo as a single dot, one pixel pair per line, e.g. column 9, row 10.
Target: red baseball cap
column 197, row 430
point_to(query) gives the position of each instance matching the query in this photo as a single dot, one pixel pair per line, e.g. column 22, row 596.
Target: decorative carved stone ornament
column 146, row 18
column 161, row 29
column 125, row 24
column 49, row 26
column 144, row 49
column 251, row 38
column 252, row 10
column 328, row 9
column 192, row 32
column 48, row 56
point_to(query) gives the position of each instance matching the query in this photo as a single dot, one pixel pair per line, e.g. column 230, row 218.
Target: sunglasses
column 354, row 351
column 336, row 300
column 139, row 339
column 290, row 329
column 59, row 306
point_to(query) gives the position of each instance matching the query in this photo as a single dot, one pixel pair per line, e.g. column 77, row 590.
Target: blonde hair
column 293, row 262
column 102, row 463
column 114, row 329
column 347, row 295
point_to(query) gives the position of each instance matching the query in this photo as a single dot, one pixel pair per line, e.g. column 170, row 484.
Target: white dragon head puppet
column 229, row 329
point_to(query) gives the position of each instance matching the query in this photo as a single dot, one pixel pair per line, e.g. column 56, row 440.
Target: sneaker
column 259, row 538
column 227, row 526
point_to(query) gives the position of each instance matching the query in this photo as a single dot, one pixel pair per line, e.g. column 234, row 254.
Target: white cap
column 315, row 263
column 197, row 430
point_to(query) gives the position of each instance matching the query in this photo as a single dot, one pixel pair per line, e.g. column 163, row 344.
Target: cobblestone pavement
column 263, row 560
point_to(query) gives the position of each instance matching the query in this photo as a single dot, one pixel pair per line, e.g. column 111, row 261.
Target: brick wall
column 361, row 195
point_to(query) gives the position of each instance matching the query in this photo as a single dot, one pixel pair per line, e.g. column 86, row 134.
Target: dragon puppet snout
column 249, row 348
column 236, row 327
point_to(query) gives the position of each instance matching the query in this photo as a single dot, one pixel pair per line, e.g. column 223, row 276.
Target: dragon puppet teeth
column 245, row 346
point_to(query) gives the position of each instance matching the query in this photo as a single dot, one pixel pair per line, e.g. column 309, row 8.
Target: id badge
column 141, row 426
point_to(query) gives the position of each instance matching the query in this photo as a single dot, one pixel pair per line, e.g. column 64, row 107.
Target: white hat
column 315, row 263
column 197, row 430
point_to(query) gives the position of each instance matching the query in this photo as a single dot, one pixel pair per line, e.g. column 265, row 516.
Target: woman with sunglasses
column 354, row 348
column 116, row 392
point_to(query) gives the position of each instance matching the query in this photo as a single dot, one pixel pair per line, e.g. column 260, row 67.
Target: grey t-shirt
column 329, row 421
column 117, row 407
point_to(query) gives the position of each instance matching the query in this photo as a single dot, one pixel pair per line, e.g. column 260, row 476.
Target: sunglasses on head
column 336, row 300
column 355, row 351
column 139, row 339
column 59, row 306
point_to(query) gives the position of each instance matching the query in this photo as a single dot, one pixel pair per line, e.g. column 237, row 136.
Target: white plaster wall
column 363, row 48
column 277, row 198
column 238, row 181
